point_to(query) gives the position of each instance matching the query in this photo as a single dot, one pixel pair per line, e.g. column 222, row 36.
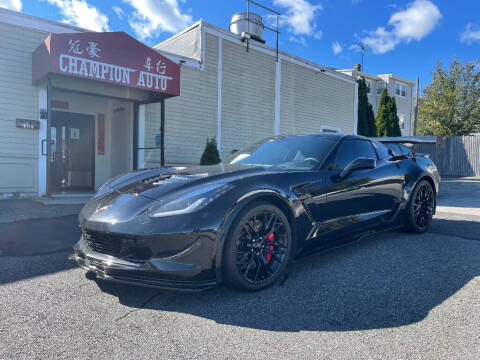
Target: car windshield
column 291, row 153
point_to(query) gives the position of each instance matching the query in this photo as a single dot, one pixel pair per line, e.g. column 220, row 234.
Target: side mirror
column 358, row 163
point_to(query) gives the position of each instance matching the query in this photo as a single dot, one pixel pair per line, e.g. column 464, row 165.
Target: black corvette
column 244, row 220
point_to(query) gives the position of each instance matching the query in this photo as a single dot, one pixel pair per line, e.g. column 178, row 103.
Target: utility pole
column 416, row 108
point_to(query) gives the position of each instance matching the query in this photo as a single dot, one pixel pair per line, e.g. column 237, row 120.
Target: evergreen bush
column 210, row 155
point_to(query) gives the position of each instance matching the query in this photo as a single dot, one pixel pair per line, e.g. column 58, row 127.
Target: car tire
column 420, row 208
column 255, row 256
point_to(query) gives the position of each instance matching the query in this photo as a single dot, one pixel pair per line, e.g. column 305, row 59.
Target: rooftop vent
column 248, row 26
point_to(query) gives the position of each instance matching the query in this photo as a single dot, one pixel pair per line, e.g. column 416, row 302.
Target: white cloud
column 381, row 41
column 299, row 40
column 471, row 34
column 119, row 11
column 336, row 47
column 154, row 16
column 413, row 23
column 11, row 4
column 81, row 13
column 299, row 17
column 318, row 35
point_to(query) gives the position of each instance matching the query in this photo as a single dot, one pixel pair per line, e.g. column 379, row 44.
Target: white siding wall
column 189, row 118
column 187, row 44
column 248, row 96
column 310, row 99
column 404, row 104
column 404, row 108
column 18, row 99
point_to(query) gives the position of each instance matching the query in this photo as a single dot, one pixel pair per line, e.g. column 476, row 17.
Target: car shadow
column 384, row 281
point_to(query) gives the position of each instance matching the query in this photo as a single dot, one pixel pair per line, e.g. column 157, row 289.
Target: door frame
column 54, row 172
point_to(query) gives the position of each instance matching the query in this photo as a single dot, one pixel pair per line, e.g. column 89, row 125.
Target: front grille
column 120, row 246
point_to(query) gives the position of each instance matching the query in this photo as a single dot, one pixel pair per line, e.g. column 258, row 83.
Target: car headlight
column 190, row 201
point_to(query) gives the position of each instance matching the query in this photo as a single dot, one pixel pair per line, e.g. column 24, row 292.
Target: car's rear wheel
column 421, row 207
column 258, row 248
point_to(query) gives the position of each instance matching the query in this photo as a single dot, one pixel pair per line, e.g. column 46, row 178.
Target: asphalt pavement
column 389, row 296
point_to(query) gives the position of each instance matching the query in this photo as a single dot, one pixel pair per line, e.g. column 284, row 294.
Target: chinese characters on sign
column 148, row 63
column 93, row 50
column 150, row 80
column 75, row 47
column 69, row 63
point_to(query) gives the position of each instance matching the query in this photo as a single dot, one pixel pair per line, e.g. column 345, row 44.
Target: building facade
column 402, row 89
column 73, row 117
column 245, row 96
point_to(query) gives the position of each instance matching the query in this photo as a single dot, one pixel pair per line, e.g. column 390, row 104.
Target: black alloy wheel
column 421, row 207
column 258, row 248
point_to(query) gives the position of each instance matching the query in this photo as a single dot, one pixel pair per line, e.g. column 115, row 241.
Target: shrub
column 210, row 155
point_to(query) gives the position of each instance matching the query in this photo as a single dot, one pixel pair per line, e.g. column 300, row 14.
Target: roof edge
column 175, row 36
column 395, row 77
column 36, row 23
column 286, row 56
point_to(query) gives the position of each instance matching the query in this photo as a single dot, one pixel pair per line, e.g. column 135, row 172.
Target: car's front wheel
column 258, row 248
column 420, row 207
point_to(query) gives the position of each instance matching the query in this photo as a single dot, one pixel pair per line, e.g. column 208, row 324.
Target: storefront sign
column 59, row 104
column 112, row 57
column 28, row 124
column 74, row 133
column 101, row 134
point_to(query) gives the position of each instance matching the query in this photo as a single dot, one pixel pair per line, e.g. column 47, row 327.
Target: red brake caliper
column 270, row 238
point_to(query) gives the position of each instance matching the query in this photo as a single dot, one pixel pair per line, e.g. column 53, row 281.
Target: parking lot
column 390, row 296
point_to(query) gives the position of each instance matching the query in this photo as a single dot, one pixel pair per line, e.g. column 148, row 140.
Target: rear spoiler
column 410, row 141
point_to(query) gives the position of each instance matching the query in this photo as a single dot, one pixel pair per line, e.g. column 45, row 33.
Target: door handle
column 44, row 152
column 44, row 148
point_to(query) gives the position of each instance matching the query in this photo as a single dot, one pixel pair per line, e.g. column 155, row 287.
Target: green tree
column 210, row 155
column 393, row 124
column 450, row 104
column 387, row 120
column 366, row 117
column 372, row 128
column 382, row 114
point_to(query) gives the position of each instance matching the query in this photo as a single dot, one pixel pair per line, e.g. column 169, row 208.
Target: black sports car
column 242, row 221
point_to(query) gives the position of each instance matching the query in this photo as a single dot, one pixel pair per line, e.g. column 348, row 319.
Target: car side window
column 382, row 151
column 350, row 150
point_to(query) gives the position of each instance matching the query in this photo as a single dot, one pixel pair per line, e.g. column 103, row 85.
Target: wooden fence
column 455, row 155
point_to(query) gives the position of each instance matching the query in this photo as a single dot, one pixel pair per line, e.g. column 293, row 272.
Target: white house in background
column 402, row 89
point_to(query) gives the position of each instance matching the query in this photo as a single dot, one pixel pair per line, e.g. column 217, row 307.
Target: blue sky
column 405, row 38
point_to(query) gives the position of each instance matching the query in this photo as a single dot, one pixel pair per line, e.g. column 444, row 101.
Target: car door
column 360, row 200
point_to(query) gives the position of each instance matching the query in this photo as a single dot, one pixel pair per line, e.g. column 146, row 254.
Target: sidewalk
column 12, row 210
